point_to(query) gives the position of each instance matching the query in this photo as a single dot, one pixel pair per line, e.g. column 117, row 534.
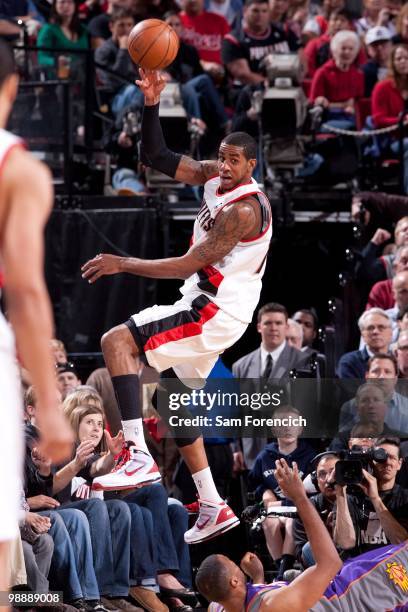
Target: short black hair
column 392, row 441
column 388, row 356
column 272, row 307
column 212, row 579
column 120, row 12
column 312, row 313
column 244, row 141
column 7, row 64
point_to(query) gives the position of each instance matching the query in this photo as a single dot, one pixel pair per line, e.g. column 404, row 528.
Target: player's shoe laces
column 213, row 520
column 139, row 469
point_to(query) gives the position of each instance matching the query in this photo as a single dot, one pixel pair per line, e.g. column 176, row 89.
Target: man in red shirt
column 338, row 84
column 205, row 31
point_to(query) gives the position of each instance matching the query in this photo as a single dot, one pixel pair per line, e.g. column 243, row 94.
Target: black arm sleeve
column 153, row 150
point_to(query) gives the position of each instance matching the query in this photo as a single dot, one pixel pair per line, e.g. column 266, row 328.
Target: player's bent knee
column 118, row 340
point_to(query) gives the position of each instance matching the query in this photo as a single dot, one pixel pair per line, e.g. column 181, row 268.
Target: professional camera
column 349, row 470
column 256, row 514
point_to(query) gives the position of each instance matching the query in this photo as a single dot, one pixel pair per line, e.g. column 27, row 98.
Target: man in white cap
column 378, row 44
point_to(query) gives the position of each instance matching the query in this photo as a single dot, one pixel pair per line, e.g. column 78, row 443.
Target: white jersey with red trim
column 234, row 283
column 7, row 142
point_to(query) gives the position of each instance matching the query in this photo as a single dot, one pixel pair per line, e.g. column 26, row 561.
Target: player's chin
column 226, row 182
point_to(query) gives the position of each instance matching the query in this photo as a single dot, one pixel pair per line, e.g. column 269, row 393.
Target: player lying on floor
column 376, row 581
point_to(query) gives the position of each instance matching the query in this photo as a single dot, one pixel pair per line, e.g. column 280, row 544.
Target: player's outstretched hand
column 152, row 83
column 289, row 480
column 101, row 265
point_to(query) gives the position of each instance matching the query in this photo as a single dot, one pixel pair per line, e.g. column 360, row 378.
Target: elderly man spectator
column 383, row 510
column 338, row 83
column 378, row 45
column 381, row 295
column 401, row 351
column 205, row 31
column 376, row 331
column 294, row 335
column 372, row 408
column 317, row 50
column 383, row 371
column 400, row 292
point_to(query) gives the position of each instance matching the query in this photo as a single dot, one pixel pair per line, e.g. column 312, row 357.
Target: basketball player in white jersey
column 222, row 271
column 25, row 202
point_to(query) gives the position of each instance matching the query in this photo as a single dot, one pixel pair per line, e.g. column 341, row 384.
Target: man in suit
column 274, row 359
column 376, row 331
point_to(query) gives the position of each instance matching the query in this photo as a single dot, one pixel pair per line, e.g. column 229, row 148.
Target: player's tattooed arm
column 232, row 224
column 193, row 172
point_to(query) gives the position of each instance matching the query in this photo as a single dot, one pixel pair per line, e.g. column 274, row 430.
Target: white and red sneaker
column 213, row 520
column 139, row 469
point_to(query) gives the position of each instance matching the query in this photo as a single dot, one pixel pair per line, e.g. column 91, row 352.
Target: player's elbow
column 332, row 565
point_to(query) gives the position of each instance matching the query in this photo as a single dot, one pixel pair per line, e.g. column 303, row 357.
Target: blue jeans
column 72, row 568
column 339, row 119
column 178, row 517
column 202, row 89
column 142, row 548
column 154, row 498
column 125, row 178
column 128, row 95
column 307, row 555
column 109, row 524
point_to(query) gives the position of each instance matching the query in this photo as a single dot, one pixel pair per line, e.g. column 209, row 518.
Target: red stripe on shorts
column 186, row 330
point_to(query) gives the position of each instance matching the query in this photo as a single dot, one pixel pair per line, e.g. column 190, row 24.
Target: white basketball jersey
column 7, row 142
column 234, row 283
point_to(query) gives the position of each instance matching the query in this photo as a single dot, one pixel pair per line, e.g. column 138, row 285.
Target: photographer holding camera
column 333, row 506
column 383, row 510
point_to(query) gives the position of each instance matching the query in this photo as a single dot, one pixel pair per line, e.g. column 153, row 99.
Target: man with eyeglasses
column 382, row 370
column 376, row 331
column 381, row 511
column 328, row 502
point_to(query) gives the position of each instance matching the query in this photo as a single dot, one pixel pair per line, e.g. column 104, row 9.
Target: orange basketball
column 153, row 44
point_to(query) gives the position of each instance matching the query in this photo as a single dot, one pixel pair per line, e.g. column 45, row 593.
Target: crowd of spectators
column 142, row 559
column 349, row 53
column 354, row 62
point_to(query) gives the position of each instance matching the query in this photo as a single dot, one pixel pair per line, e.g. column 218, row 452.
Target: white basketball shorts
column 11, row 435
column 187, row 336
